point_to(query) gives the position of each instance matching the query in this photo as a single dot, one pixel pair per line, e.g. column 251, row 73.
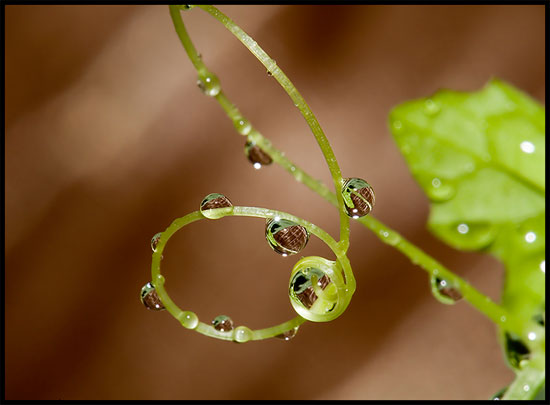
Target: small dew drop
column 530, row 237
column 527, row 147
column 160, row 279
column 155, row 241
column 358, row 197
column 285, row 237
column 397, row 124
column 242, row 334
column 503, row 318
column 532, row 336
column 188, row 319
column 242, row 126
column 526, row 388
column 436, row 182
column 150, row 299
column 256, row 155
column 222, row 323
column 431, row 107
column 444, row 291
column 288, row 335
column 463, row 229
column 211, row 203
column 209, row 84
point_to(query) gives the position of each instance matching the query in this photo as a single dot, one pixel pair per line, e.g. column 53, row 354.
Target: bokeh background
column 108, row 140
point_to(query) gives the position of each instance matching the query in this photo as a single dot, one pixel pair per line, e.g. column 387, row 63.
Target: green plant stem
column 478, row 300
column 158, row 279
column 293, row 93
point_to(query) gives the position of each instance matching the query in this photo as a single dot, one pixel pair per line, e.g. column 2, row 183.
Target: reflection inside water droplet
column 155, row 241
column 223, row 323
column 213, row 201
column 285, row 237
column 288, row 335
column 150, row 299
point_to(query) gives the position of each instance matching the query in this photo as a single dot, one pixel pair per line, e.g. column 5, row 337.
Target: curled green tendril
column 339, row 272
column 474, row 297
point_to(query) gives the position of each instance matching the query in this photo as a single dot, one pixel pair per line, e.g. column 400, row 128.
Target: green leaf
column 480, row 159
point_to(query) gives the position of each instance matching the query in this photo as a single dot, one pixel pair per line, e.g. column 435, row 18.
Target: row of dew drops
column 283, row 236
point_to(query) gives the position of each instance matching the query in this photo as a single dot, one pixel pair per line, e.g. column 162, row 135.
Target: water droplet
column 242, row 334
column 515, row 349
column 155, row 241
column 444, row 291
column 431, row 107
column 209, row 84
column 187, row 7
column 304, row 292
column 397, row 125
column 289, row 334
column 160, row 279
column 285, row 237
column 242, row 126
column 526, row 388
column 530, row 237
column 256, row 155
column 503, row 318
column 210, row 204
column 223, row 323
column 439, row 190
column 150, row 299
column 188, row 319
column 463, row 228
column 527, row 147
column 471, row 236
column 358, row 197
column 498, row 396
column 532, row 336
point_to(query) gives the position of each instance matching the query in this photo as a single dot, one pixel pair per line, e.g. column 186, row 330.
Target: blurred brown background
column 108, row 140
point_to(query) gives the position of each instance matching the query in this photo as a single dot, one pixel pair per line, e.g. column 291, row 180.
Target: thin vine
column 210, row 85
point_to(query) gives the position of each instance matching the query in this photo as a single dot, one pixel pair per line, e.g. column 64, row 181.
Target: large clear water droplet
column 444, row 291
column 358, row 197
column 210, row 204
column 242, row 334
column 154, row 241
column 150, row 299
column 256, row 155
column 285, row 237
column 188, row 319
column 209, row 84
column 223, row 323
column 289, row 334
column 307, row 284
